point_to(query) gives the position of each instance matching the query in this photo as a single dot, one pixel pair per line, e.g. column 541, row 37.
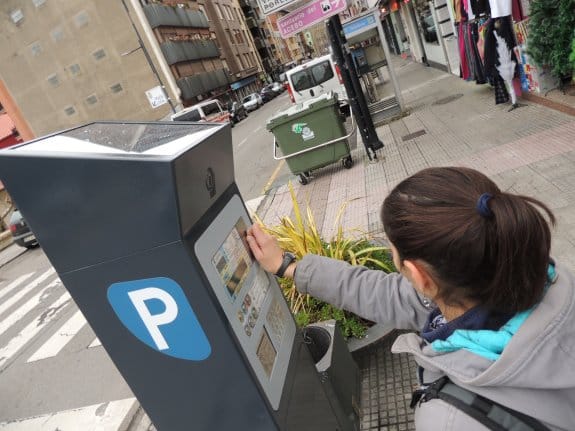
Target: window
column 75, row 69
column 36, row 48
column 117, row 88
column 57, row 34
column 53, row 80
column 81, row 19
column 240, row 61
column 219, row 11
column 38, row 3
column 70, row 110
column 99, row 54
column 91, row 100
column 211, row 108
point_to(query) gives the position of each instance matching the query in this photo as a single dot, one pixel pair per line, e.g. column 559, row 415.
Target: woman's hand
column 265, row 248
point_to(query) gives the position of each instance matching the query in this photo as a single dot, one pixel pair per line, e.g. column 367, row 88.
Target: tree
column 551, row 25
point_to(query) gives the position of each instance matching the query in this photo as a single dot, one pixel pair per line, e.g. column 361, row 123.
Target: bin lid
column 306, row 107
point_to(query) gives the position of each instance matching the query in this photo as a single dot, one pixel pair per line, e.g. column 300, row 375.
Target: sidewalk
column 530, row 151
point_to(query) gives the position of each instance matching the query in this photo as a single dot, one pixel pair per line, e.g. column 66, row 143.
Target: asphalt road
column 254, row 164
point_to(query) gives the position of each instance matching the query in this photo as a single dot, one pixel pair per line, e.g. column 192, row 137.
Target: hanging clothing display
column 486, row 45
column 500, row 61
column 471, row 61
column 500, row 8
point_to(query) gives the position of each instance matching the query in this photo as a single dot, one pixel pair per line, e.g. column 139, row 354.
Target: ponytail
column 521, row 246
column 480, row 243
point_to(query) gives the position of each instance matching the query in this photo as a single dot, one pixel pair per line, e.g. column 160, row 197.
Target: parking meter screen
column 232, row 260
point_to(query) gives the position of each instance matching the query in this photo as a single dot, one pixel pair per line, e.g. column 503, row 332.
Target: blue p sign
column 157, row 312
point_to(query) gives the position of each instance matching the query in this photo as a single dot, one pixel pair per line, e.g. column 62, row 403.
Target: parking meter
column 146, row 228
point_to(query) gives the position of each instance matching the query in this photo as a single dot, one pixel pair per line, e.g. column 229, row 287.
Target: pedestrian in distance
column 494, row 314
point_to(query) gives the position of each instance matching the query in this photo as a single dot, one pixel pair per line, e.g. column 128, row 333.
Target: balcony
column 259, row 43
column 162, row 15
column 202, row 83
column 251, row 22
column 177, row 52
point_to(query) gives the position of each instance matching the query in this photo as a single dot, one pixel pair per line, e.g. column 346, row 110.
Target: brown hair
column 497, row 257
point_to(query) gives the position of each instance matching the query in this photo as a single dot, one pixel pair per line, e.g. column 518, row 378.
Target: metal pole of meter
column 353, row 87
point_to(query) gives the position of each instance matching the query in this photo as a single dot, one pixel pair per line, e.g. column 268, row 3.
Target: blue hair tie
column 482, row 206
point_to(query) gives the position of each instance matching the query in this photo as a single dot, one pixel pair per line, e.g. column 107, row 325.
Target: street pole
column 148, row 58
column 353, row 87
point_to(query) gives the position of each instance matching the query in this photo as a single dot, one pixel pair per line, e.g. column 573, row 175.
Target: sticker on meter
column 158, row 313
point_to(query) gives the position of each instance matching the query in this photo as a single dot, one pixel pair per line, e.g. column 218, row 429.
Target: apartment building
column 64, row 63
column 188, row 44
column 237, row 47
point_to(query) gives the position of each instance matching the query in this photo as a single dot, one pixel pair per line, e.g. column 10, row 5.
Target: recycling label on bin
column 302, row 129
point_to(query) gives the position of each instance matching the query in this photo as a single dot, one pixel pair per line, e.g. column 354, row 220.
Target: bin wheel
column 347, row 162
column 303, row 179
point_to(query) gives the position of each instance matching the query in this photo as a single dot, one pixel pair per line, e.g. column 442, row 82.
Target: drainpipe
column 155, row 48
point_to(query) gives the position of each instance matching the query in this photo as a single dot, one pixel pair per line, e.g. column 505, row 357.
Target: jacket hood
column 535, row 371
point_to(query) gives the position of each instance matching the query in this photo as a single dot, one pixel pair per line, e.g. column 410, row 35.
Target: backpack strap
column 492, row 415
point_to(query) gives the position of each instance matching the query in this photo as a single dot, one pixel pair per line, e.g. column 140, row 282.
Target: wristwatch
column 288, row 258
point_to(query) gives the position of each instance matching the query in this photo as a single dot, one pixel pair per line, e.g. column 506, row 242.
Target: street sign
column 308, row 15
column 270, row 6
column 156, row 96
column 359, row 25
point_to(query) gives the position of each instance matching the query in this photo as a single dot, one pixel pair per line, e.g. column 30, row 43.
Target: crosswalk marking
column 25, row 308
column 33, row 328
column 110, row 416
column 95, row 343
column 57, row 342
column 6, row 290
column 29, row 287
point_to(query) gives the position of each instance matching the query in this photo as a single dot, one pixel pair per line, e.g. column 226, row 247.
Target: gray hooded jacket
column 535, row 373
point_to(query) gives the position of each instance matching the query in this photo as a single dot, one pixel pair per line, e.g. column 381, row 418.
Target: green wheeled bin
column 311, row 135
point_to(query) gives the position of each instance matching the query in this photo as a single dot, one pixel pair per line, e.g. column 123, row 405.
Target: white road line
column 109, row 416
column 8, row 303
column 95, row 343
column 33, row 328
column 258, row 129
column 6, row 290
column 21, row 311
column 58, row 341
column 243, row 142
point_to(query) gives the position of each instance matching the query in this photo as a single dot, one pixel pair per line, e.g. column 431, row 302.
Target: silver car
column 21, row 232
column 252, row 102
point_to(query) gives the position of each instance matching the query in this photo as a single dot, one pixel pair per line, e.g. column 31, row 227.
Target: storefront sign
column 359, row 25
column 308, row 15
column 270, row 6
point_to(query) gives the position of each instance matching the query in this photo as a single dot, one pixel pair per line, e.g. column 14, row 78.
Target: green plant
column 300, row 236
column 551, row 24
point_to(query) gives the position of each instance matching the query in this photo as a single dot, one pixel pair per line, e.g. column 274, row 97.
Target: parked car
column 210, row 110
column 267, row 93
column 252, row 102
column 21, row 232
column 314, row 78
column 277, row 87
column 237, row 112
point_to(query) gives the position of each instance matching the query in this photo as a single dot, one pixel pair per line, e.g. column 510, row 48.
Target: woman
column 494, row 313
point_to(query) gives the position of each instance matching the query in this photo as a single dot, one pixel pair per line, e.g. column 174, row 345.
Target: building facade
column 66, row 63
column 237, row 47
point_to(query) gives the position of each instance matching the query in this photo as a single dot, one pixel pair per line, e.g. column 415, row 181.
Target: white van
column 314, row 78
column 210, row 110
